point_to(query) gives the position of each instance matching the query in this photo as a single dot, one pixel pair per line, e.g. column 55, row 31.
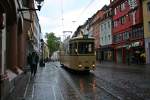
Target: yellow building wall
column 146, row 19
column 46, row 52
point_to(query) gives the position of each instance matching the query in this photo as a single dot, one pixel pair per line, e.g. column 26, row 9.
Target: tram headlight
column 93, row 65
column 79, row 65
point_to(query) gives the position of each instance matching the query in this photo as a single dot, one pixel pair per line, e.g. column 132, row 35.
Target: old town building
column 106, row 35
column 127, row 31
column 16, row 26
column 146, row 22
column 12, row 38
column 95, row 31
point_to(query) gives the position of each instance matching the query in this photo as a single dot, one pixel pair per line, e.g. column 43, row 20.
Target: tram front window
column 86, row 48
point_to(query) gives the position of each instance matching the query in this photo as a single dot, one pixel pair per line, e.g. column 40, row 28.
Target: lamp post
column 42, row 55
column 39, row 4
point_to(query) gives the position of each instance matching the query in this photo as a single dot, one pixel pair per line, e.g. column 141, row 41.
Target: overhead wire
column 84, row 10
column 62, row 13
column 62, row 17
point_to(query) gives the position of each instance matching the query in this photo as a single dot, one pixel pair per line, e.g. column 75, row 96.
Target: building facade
column 12, row 59
column 127, row 31
column 146, row 22
column 95, row 26
column 14, row 38
column 37, row 33
column 106, row 35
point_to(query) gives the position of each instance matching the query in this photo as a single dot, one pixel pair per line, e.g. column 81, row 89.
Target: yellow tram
column 78, row 53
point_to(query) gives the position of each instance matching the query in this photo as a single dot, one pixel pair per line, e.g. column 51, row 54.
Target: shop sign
column 135, row 44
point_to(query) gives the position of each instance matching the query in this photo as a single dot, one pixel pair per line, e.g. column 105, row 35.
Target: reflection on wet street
column 53, row 82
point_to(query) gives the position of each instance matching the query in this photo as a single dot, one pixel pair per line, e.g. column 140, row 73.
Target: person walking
column 29, row 60
column 34, row 63
column 36, row 60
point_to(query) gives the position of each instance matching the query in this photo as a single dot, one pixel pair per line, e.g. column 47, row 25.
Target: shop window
column 125, row 35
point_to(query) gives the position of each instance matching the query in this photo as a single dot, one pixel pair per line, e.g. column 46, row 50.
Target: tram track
column 118, row 92
column 76, row 95
column 78, row 92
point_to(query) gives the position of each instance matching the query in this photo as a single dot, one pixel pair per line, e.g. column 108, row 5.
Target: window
column 132, row 3
column 115, row 11
column 102, row 28
column 115, row 23
column 122, row 7
column 149, row 26
column 85, row 47
column 26, row 3
column 123, row 20
column 105, row 26
column 148, row 6
column 109, row 37
column 108, row 24
column 72, row 48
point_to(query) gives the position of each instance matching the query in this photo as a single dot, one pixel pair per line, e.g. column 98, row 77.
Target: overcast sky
column 66, row 15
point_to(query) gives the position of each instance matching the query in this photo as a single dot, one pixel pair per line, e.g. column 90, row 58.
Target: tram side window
column 70, row 48
column 84, row 48
column 73, row 47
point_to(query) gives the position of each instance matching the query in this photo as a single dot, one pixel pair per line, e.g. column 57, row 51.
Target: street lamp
column 42, row 58
column 39, row 4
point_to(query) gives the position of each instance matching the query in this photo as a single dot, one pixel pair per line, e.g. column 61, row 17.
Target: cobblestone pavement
column 107, row 82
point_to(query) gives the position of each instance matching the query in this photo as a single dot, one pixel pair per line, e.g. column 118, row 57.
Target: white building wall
column 3, row 46
column 105, row 32
column 37, row 33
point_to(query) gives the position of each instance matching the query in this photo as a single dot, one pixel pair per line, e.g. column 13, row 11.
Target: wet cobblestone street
column 109, row 82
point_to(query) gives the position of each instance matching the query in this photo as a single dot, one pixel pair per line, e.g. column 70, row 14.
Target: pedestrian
column 34, row 63
column 37, row 59
column 29, row 60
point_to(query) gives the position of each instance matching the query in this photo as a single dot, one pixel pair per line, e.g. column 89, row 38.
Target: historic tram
column 78, row 53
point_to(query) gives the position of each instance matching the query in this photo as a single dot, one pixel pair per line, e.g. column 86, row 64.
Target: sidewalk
column 20, row 83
